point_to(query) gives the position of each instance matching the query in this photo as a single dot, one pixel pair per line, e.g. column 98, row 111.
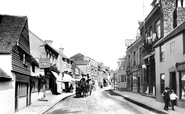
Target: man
column 166, row 96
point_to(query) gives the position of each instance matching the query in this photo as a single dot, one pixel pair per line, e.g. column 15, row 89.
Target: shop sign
column 180, row 66
column 44, row 63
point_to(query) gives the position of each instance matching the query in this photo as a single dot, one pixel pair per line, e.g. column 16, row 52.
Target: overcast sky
column 96, row 28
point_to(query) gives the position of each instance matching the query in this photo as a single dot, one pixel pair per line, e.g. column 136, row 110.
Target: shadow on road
column 111, row 92
column 60, row 111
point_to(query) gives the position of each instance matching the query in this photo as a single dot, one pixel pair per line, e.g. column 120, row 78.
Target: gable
column 10, row 30
column 79, row 55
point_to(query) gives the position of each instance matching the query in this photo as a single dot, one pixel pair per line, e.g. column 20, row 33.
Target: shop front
column 181, row 84
column 22, row 91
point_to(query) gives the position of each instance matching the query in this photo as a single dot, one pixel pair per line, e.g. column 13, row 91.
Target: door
column 16, row 96
column 173, row 82
column 138, row 84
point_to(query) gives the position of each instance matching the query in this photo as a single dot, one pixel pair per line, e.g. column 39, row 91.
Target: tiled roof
column 78, row 55
column 83, row 70
column 81, row 62
column 4, row 75
column 10, row 29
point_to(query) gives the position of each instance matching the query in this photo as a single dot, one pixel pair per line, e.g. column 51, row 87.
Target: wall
column 170, row 61
column 7, row 89
column 35, row 45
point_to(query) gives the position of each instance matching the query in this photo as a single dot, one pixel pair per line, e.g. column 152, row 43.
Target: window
column 182, row 85
column 158, row 28
column 162, row 53
column 146, row 37
column 172, row 47
column 134, row 58
column 162, row 78
column 33, row 68
column 140, row 55
column 150, row 35
column 180, row 3
column 123, row 78
column 129, row 60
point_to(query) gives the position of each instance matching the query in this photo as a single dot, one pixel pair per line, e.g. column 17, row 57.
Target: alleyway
column 100, row 102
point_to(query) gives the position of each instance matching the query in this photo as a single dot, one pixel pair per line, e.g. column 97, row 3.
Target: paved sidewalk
column 150, row 102
column 39, row 107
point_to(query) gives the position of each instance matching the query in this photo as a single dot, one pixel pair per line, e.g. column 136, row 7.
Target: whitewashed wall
column 7, row 89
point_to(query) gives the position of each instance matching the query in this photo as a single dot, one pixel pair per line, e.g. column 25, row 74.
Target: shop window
column 162, row 50
column 22, row 90
column 182, row 85
column 162, row 80
column 34, row 85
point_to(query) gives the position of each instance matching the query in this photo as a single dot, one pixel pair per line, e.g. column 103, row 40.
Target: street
column 100, row 102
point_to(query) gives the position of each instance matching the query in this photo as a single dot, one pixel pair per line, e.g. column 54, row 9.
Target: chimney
column 61, row 50
column 49, row 42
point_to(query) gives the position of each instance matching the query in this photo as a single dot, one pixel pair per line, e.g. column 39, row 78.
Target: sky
column 95, row 28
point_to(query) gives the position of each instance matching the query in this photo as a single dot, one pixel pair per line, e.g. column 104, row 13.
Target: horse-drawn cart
column 83, row 88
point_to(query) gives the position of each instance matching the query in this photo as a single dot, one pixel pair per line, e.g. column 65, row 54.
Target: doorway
column 173, row 82
column 138, row 84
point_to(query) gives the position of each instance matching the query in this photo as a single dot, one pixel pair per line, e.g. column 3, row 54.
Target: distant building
column 133, row 67
column 122, row 76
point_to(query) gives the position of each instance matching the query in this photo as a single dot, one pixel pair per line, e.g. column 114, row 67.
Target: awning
column 57, row 77
column 67, row 78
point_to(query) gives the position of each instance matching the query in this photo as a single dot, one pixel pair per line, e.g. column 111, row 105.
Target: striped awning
column 4, row 76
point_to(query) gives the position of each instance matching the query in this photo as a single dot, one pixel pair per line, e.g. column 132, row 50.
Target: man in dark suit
column 166, row 96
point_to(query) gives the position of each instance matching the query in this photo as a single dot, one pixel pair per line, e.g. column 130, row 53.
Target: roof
column 10, row 30
column 171, row 35
column 83, row 70
column 78, row 55
column 4, row 76
column 81, row 62
column 61, row 54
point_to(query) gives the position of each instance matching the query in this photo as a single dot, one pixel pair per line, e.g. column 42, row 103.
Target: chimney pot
column 61, row 50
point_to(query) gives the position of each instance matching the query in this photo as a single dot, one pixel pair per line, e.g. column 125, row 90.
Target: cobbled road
column 100, row 102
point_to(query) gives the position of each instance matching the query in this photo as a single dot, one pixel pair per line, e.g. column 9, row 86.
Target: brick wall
column 180, row 15
column 168, row 7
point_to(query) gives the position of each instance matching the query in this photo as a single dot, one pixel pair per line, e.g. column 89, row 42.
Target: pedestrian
column 173, row 98
column 166, row 97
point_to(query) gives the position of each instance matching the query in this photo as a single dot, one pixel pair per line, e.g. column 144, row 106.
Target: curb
column 56, row 103
column 140, row 104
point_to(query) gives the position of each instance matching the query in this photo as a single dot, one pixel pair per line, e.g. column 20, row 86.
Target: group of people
column 169, row 98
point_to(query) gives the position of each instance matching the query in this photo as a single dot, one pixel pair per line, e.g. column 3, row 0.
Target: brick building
column 164, row 17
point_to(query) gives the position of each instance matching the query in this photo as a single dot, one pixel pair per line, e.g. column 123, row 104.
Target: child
column 166, row 97
column 173, row 98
